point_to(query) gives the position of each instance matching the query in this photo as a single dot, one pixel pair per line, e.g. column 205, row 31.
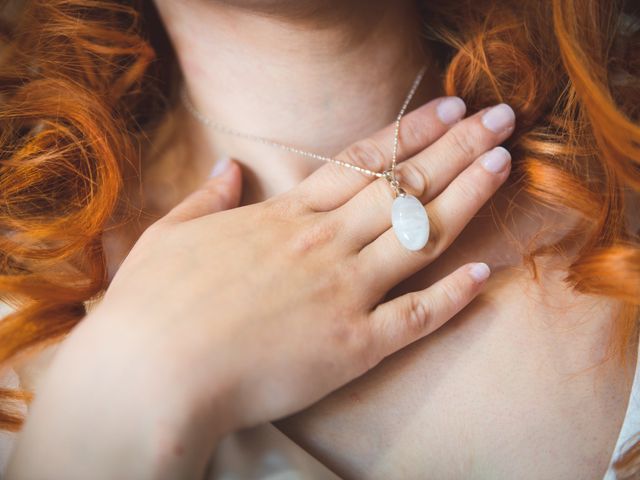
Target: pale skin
column 489, row 395
column 317, row 277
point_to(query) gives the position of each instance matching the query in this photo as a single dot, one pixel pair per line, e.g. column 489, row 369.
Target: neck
column 317, row 86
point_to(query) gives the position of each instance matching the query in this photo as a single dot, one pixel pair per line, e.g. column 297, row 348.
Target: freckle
column 178, row 450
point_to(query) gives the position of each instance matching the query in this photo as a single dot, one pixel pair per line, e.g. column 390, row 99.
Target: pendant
column 410, row 222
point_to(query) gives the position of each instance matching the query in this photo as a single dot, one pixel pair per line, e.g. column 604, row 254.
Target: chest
column 516, row 386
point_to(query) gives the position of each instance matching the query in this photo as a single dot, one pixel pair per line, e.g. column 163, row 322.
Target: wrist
column 157, row 394
column 114, row 410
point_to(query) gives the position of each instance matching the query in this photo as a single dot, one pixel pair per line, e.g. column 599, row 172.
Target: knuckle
column 415, row 133
column 415, row 175
column 286, row 205
column 452, row 294
column 438, row 237
column 470, row 191
column 367, row 154
column 418, row 315
column 316, row 234
column 462, row 141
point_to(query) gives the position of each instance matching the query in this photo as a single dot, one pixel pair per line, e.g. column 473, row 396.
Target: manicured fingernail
column 220, row 167
column 451, row 109
column 496, row 160
column 479, row 271
column 499, row 118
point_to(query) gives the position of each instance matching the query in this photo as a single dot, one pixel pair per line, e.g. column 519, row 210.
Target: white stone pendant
column 410, row 222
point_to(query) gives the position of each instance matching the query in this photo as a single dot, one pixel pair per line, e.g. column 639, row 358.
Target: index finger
column 332, row 185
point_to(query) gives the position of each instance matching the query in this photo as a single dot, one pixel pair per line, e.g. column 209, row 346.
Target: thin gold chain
column 389, row 174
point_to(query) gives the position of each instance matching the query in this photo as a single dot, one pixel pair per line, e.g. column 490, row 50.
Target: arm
column 191, row 342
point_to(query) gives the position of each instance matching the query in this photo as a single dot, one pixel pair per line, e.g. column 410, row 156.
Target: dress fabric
column 631, row 424
column 265, row 453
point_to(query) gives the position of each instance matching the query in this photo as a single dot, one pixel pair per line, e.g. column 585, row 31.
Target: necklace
column 408, row 216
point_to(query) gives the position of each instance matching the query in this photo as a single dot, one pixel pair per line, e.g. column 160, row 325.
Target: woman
column 523, row 383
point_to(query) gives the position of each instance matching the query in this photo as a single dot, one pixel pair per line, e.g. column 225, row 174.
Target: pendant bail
column 398, row 191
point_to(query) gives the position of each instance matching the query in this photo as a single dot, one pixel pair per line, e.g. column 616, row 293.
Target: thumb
column 222, row 191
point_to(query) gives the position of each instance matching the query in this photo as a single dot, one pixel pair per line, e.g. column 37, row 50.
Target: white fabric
column 265, row 453
column 631, row 424
column 7, row 439
column 8, row 379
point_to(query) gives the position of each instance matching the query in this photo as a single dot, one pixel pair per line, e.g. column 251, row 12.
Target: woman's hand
column 218, row 322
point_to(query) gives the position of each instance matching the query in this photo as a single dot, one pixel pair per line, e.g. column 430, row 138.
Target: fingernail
column 220, row 167
column 496, row 160
column 451, row 109
column 479, row 271
column 499, row 118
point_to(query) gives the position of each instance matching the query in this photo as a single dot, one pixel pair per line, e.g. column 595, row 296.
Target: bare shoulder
column 518, row 385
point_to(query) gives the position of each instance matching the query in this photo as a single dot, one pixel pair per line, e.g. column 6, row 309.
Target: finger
column 332, row 185
column 428, row 173
column 387, row 260
column 403, row 320
column 221, row 192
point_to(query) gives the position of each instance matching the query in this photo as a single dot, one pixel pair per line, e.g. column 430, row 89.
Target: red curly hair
column 84, row 82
